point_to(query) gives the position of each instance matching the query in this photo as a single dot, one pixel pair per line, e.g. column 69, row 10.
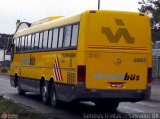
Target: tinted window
column 20, row 43
column 17, row 44
column 60, row 38
column 40, row 40
column 55, row 38
column 26, row 42
column 50, row 39
column 33, row 41
column 36, row 41
column 23, row 43
column 29, row 42
column 67, row 36
column 74, row 35
column 45, row 39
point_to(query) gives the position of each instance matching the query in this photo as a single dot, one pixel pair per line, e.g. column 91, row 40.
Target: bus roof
column 58, row 21
column 38, row 26
column 45, row 20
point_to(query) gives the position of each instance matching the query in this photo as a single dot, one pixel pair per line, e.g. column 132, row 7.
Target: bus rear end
column 118, row 56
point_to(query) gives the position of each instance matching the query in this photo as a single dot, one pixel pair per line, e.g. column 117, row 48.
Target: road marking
column 131, row 108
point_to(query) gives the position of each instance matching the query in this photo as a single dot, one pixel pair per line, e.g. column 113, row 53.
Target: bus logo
column 121, row 32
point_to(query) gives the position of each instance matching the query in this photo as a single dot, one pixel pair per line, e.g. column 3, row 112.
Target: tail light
column 149, row 75
column 81, row 73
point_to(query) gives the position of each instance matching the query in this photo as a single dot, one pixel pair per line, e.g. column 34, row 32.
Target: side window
column 67, row 36
column 26, row 43
column 14, row 41
column 36, row 41
column 33, row 42
column 22, row 44
column 55, row 38
column 60, row 38
column 29, row 42
column 20, row 38
column 45, row 39
column 74, row 35
column 50, row 39
column 17, row 44
column 41, row 40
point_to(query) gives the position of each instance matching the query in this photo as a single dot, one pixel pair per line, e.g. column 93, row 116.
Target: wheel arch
column 49, row 83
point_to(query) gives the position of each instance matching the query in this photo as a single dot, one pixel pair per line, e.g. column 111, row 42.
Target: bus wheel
column 44, row 93
column 54, row 100
column 19, row 90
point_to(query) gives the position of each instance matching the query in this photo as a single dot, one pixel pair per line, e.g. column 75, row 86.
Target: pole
column 4, row 57
column 98, row 4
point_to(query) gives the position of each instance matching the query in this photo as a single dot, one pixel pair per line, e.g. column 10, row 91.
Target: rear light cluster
column 149, row 75
column 81, row 76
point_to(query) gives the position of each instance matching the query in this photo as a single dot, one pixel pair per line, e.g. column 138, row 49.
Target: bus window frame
column 61, row 43
column 26, row 42
column 20, row 38
column 33, row 38
column 39, row 40
column 52, row 49
column 65, row 36
column 57, row 38
column 50, row 39
column 22, row 44
column 77, row 35
column 46, row 47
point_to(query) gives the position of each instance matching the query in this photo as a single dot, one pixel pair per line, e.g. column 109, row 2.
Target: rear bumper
column 79, row 92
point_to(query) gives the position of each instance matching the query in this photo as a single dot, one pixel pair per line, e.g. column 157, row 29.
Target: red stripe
column 55, row 72
column 59, row 70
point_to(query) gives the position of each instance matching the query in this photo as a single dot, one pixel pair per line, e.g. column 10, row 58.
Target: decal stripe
column 57, row 70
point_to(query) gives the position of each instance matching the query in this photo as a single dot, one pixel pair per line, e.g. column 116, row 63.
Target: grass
column 9, row 107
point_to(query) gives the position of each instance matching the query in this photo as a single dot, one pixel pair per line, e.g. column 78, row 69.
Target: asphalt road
column 83, row 109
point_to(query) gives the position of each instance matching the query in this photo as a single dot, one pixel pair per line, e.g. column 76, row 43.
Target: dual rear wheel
column 49, row 95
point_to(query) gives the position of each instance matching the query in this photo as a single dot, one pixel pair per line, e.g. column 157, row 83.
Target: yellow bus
column 99, row 55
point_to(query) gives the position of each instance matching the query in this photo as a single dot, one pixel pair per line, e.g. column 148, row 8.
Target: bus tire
column 44, row 93
column 19, row 90
column 54, row 99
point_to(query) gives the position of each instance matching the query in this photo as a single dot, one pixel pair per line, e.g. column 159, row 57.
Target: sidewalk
column 156, row 81
column 4, row 74
column 155, row 90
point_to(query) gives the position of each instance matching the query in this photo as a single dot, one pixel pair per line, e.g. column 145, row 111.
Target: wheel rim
column 54, row 98
column 44, row 92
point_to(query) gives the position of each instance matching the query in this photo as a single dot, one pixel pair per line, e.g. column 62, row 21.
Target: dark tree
column 152, row 8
